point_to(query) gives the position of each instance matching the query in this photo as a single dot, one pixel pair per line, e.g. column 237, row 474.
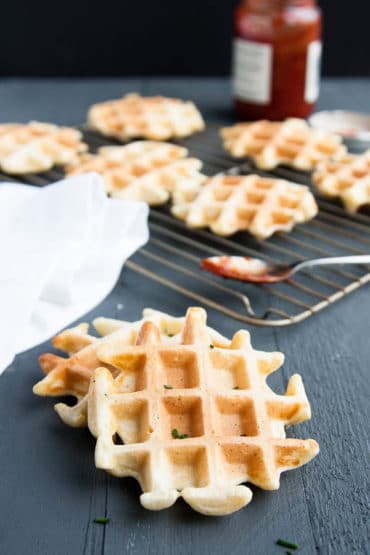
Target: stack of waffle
column 182, row 409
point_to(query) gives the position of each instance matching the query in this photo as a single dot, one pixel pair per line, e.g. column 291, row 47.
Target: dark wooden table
column 50, row 491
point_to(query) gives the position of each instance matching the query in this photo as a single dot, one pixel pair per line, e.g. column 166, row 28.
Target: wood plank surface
column 50, row 491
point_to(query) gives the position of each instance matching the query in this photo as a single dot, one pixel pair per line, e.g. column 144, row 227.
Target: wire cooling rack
column 173, row 253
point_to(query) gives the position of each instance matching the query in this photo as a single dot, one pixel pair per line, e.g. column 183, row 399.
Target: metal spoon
column 245, row 268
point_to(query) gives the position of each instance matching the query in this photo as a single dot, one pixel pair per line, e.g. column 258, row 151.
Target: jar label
column 311, row 91
column 252, row 68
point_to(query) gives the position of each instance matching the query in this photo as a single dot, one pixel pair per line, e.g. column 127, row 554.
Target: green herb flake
column 167, row 386
column 286, row 543
column 176, row 435
column 236, row 387
column 170, row 334
column 211, row 346
column 101, row 520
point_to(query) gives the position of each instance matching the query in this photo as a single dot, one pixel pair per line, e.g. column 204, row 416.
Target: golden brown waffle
column 71, row 376
column 262, row 206
column 347, row 178
column 291, row 143
column 144, row 170
column 157, row 117
column 195, row 420
column 37, row 147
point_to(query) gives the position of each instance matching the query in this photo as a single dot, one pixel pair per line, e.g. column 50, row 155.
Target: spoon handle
column 333, row 260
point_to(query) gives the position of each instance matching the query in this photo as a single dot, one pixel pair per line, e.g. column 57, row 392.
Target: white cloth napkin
column 62, row 248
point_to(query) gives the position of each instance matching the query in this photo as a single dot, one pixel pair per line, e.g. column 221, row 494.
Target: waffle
column 155, row 117
column 291, row 143
column 227, row 204
column 37, row 147
column 347, row 178
column 71, row 376
column 144, row 170
column 197, row 420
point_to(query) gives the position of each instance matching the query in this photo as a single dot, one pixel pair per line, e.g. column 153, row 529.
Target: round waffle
column 347, row 177
column 37, row 147
column 144, row 170
column 154, row 117
column 262, row 206
column 291, row 143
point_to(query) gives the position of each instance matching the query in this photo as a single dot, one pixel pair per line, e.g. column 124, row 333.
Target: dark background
column 154, row 37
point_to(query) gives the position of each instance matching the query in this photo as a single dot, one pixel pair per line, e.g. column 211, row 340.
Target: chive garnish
column 286, row 543
column 170, row 334
column 211, row 346
column 167, row 386
column 176, row 435
column 236, row 387
column 101, row 520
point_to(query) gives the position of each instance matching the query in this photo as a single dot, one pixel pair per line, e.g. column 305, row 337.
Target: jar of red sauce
column 276, row 62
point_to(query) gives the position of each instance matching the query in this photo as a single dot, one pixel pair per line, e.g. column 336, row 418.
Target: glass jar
column 276, row 62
